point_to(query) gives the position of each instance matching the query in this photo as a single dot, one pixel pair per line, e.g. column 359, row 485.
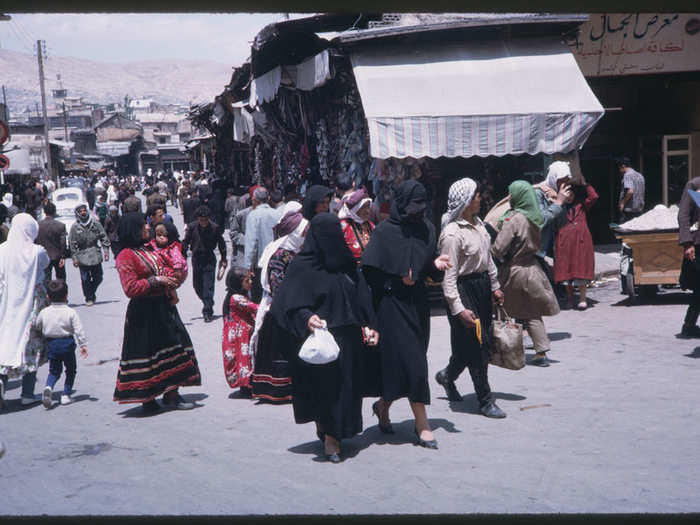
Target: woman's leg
column 383, row 411
column 570, row 295
column 582, row 294
column 422, row 426
column 28, row 382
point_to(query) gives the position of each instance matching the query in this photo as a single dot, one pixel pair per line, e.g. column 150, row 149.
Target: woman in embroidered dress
column 22, row 296
column 157, row 355
column 354, row 220
column 271, row 379
column 239, row 318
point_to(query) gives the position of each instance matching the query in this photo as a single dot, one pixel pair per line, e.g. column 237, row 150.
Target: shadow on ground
column 137, row 410
column 470, row 405
column 695, row 354
column 349, row 448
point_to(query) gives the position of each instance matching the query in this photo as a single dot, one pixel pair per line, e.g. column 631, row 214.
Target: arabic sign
column 612, row 44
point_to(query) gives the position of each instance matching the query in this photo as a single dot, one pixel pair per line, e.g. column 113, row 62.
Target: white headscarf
column 459, row 197
column 22, row 266
column 351, row 213
column 558, row 170
column 7, row 200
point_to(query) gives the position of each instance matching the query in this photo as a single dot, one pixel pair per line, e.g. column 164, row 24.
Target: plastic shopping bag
column 319, row 348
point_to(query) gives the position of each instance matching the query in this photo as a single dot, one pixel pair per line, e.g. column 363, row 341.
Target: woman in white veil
column 22, row 296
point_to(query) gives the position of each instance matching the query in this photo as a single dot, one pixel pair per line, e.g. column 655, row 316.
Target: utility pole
column 40, row 56
column 65, row 125
column 4, row 101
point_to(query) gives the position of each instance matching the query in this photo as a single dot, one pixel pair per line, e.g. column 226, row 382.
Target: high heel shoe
column 386, row 428
column 432, row 444
column 333, row 458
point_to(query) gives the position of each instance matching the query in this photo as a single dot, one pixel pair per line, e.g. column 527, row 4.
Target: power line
column 25, row 31
column 20, row 39
column 21, row 35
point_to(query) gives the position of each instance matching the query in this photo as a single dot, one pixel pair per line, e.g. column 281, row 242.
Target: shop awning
column 474, row 98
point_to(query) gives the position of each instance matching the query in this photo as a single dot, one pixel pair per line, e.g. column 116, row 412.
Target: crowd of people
column 331, row 260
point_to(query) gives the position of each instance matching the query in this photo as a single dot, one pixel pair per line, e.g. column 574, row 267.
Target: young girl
column 239, row 319
column 167, row 245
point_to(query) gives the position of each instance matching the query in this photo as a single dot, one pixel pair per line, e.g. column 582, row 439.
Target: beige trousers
column 535, row 328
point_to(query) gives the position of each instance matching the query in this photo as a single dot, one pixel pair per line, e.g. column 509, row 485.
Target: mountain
column 165, row 81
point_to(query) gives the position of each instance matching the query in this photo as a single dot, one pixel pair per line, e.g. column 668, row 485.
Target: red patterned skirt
column 157, row 354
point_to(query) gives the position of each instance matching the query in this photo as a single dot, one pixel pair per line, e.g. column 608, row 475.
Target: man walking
column 52, row 236
column 689, row 238
column 258, row 234
column 132, row 202
column 631, row 202
column 202, row 237
column 86, row 236
column 189, row 207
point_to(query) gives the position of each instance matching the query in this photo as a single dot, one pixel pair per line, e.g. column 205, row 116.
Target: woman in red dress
column 239, row 320
column 574, row 259
column 157, row 355
column 355, row 223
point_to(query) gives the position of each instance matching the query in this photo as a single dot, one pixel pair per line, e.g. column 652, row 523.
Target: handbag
column 507, row 349
column 319, row 348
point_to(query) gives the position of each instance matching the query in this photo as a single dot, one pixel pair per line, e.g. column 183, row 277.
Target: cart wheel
column 629, row 288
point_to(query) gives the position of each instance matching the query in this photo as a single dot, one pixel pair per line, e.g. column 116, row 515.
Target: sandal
column 582, row 305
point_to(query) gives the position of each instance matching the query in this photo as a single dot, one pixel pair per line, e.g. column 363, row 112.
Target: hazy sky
column 127, row 37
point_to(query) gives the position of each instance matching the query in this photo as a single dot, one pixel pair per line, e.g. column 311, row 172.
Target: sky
column 112, row 37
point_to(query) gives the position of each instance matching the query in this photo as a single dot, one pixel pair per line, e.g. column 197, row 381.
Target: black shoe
column 490, row 409
column 385, row 428
column 431, row 444
column 540, row 361
column 245, row 392
column 450, row 387
column 690, row 331
column 208, row 318
column 150, row 407
column 333, row 458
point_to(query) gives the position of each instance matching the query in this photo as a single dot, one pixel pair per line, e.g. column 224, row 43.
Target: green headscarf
column 524, row 200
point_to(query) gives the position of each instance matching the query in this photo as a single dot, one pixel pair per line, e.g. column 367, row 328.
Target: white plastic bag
column 319, row 348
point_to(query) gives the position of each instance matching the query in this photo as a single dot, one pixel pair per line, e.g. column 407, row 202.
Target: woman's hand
column 315, row 322
column 370, row 336
column 443, row 263
column 408, row 279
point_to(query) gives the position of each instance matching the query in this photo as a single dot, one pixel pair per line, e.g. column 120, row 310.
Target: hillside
column 166, row 81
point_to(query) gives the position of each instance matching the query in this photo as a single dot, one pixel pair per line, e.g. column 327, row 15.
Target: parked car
column 66, row 199
column 74, row 182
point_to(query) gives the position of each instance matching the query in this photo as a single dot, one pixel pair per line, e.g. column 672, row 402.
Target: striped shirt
column 635, row 181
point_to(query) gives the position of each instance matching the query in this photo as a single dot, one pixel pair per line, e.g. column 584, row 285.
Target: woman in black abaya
column 317, row 200
column 323, row 283
column 398, row 258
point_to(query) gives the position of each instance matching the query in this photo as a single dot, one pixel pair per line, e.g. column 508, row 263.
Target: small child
column 239, row 320
column 61, row 327
column 167, row 245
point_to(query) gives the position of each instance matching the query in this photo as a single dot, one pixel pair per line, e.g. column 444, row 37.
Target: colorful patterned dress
column 238, row 327
column 356, row 236
column 157, row 354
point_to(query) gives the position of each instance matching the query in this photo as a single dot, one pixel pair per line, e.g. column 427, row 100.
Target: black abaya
column 405, row 241
column 323, row 279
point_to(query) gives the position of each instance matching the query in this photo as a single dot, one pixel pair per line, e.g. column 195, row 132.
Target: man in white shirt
column 631, row 203
column 258, row 234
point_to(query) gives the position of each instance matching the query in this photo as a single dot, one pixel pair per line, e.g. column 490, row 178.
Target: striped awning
column 464, row 99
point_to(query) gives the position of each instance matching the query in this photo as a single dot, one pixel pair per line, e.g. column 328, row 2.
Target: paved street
column 611, row 426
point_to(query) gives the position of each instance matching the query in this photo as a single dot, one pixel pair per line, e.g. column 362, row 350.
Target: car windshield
column 67, row 197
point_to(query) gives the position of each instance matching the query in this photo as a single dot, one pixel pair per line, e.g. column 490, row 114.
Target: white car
column 66, row 199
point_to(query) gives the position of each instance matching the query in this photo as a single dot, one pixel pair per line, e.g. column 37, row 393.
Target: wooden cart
column 655, row 258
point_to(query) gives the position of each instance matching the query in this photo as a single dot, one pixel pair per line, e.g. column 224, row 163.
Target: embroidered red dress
column 157, row 354
column 238, row 327
column 356, row 236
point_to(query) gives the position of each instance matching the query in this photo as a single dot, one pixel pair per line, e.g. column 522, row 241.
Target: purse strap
column 501, row 313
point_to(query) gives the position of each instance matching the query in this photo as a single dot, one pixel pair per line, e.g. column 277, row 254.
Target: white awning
column 463, row 99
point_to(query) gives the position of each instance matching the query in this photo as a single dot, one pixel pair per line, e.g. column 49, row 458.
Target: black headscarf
column 323, row 278
column 407, row 239
column 173, row 234
column 130, row 229
column 315, row 195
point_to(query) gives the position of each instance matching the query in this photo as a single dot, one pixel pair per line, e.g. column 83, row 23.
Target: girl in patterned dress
column 239, row 319
column 167, row 245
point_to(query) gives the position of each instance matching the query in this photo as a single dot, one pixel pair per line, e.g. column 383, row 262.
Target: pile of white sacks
column 658, row 218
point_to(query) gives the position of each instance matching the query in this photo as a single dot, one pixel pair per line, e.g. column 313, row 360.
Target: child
column 60, row 326
column 239, row 319
column 101, row 209
column 167, row 244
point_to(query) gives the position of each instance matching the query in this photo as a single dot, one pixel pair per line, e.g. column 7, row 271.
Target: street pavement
column 612, row 426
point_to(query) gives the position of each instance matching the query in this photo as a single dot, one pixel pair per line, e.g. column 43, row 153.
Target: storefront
column 645, row 70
